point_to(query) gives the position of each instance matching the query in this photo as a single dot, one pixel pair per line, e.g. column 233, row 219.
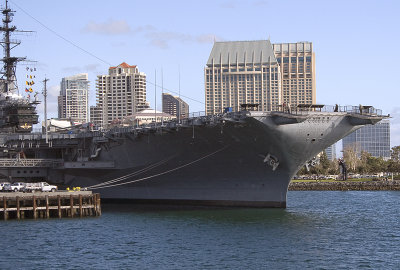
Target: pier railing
column 300, row 109
column 34, row 162
column 303, row 109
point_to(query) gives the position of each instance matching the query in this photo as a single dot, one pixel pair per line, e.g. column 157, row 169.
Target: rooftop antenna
column 155, row 98
column 162, row 97
column 179, row 103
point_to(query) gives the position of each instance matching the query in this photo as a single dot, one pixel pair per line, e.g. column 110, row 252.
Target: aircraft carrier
column 242, row 158
column 245, row 158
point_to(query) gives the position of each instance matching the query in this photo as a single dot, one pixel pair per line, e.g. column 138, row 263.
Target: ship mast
column 8, row 77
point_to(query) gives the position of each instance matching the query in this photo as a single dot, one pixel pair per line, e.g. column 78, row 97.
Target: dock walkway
column 19, row 205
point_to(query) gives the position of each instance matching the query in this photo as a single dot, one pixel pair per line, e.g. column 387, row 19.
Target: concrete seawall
column 344, row 186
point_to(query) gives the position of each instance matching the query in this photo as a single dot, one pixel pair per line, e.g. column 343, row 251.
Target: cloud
column 119, row 44
column 228, row 4
column 157, row 38
column 395, row 113
column 76, row 69
column 162, row 44
column 260, row 3
column 232, row 4
column 161, row 39
column 208, row 38
column 52, row 110
column 53, row 91
column 73, row 69
column 91, row 67
column 110, row 27
column 144, row 28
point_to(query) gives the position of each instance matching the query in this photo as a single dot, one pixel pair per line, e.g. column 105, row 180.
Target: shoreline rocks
column 345, row 186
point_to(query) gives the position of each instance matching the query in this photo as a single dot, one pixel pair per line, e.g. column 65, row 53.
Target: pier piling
column 46, row 205
column 5, row 208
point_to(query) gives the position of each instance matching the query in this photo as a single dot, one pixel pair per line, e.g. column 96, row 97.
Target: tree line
column 363, row 163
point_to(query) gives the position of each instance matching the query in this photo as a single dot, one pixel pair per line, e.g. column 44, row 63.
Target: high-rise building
column 331, row 152
column 297, row 67
column 242, row 72
column 73, row 102
column 120, row 93
column 374, row 139
column 96, row 116
column 174, row 105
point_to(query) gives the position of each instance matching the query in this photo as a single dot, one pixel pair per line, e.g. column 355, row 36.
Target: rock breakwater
column 347, row 185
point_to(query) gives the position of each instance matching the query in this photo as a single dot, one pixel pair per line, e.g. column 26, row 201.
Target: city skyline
column 174, row 39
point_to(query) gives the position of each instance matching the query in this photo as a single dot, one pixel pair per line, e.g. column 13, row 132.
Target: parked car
column 41, row 186
column 2, row 184
column 19, row 186
column 7, row 187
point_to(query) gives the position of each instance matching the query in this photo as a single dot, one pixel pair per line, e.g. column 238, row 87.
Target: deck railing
column 196, row 117
column 37, row 163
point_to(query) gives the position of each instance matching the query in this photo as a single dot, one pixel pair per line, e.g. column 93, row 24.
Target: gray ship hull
column 242, row 159
column 214, row 165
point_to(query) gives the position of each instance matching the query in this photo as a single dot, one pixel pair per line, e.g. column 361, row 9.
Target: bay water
column 317, row 230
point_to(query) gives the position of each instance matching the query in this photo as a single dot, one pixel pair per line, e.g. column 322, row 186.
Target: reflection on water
column 230, row 216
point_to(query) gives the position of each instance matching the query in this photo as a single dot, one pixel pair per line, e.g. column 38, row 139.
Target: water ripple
column 321, row 230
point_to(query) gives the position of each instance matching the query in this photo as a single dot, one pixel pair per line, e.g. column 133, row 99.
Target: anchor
column 272, row 161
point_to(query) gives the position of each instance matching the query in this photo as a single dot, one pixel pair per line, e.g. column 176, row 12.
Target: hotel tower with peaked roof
column 120, row 93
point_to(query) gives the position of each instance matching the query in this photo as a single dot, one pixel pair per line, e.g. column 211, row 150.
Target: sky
column 356, row 43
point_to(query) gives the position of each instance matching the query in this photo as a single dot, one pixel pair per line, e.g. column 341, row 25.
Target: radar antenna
column 8, row 78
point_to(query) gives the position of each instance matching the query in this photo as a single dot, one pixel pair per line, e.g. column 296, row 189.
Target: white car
column 17, row 186
column 40, row 186
column 2, row 185
column 48, row 187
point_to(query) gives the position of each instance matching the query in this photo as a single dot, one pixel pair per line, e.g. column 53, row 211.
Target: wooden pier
column 19, row 205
